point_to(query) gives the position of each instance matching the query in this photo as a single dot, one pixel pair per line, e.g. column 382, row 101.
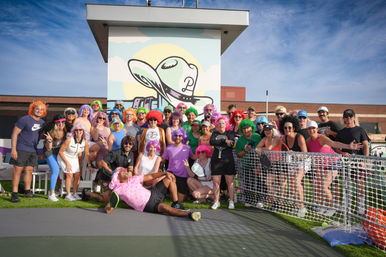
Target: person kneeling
column 130, row 189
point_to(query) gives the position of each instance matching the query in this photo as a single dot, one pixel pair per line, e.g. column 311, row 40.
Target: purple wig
column 86, row 106
column 214, row 117
column 153, row 143
column 103, row 115
column 176, row 115
column 182, row 132
column 210, row 105
column 79, row 125
column 227, row 125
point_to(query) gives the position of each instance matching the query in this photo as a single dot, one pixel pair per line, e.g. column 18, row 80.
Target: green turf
column 42, row 202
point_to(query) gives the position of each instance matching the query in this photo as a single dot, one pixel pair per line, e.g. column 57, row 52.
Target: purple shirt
column 176, row 155
column 28, row 138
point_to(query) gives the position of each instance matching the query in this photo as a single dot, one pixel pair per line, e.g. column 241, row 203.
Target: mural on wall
column 157, row 67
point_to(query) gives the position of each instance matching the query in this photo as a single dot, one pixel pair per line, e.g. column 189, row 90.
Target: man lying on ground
column 130, row 189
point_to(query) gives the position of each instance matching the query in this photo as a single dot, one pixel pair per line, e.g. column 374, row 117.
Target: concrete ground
column 125, row 232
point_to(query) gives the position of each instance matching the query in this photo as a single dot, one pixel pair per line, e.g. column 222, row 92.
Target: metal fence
column 350, row 191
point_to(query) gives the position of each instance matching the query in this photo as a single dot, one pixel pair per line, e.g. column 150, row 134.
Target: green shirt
column 243, row 141
column 193, row 142
column 187, row 127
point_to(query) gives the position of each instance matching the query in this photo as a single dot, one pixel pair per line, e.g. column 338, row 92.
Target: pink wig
column 153, row 143
column 129, row 110
column 203, row 148
column 227, row 125
column 181, row 104
column 103, row 115
column 235, row 113
column 79, row 125
column 155, row 114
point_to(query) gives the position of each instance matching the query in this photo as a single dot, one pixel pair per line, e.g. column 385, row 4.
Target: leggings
column 54, row 166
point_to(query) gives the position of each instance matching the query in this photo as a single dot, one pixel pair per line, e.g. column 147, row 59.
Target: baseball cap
column 302, row 113
column 323, row 109
column 115, row 120
column 262, row 119
column 349, row 113
column 312, row 123
column 196, row 122
column 206, row 123
column 251, row 108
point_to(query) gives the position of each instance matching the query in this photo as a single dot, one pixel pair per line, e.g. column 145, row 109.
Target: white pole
column 266, row 104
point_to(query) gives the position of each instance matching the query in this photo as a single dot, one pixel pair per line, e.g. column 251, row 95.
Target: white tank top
column 146, row 165
column 151, row 135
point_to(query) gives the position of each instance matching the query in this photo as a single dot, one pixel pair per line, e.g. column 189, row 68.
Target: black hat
column 349, row 113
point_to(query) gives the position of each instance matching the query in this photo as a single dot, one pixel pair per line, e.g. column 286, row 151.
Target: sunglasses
column 140, row 113
column 302, row 118
column 348, row 116
column 58, row 122
column 101, row 118
column 238, row 116
column 70, row 112
column 114, row 113
column 260, row 123
column 182, row 108
column 167, row 111
column 279, row 114
column 200, row 152
column 128, row 143
column 209, row 110
column 289, row 128
column 152, row 119
column 178, row 136
column 78, row 130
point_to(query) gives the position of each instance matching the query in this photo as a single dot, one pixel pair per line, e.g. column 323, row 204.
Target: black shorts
column 157, row 196
column 25, row 159
column 182, row 186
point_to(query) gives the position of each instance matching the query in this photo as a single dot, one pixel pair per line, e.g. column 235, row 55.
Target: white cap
column 206, row 123
column 312, row 123
column 323, row 108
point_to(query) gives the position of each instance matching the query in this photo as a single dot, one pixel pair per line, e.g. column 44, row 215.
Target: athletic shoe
column 260, row 205
column 53, row 198
column 15, row 197
column 29, row 194
column 231, row 205
column 302, row 212
column 85, row 197
column 329, row 212
column 178, row 205
column 76, row 197
column 114, row 200
column 247, row 205
column 215, row 205
column 69, row 197
column 196, row 215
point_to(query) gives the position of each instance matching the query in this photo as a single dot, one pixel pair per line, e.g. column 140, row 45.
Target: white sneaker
column 260, row 205
column 302, row 212
column 215, row 205
column 231, row 205
column 69, row 197
column 76, row 197
column 53, row 198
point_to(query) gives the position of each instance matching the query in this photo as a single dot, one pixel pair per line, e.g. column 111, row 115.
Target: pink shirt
column 316, row 147
column 133, row 193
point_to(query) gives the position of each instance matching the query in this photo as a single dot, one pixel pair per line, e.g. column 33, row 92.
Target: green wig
column 97, row 102
column 246, row 122
column 191, row 109
column 143, row 109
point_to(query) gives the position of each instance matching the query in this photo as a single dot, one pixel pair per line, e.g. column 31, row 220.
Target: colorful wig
column 70, row 109
column 225, row 118
column 143, row 109
column 203, row 148
column 125, row 114
column 37, row 103
column 191, row 109
column 97, row 102
column 181, row 104
column 86, row 106
column 155, row 114
column 176, row 115
column 233, row 122
column 246, row 122
column 153, row 143
column 214, row 117
column 182, row 132
column 205, row 109
column 117, row 111
column 106, row 123
column 79, row 125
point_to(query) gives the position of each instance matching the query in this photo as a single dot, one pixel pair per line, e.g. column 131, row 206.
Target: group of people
column 155, row 151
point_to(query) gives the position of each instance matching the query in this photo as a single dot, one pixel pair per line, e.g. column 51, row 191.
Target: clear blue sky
column 301, row 51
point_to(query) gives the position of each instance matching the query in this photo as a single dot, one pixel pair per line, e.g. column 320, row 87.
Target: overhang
column 231, row 23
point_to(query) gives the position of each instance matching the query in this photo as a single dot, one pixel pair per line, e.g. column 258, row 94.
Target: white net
column 350, row 191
